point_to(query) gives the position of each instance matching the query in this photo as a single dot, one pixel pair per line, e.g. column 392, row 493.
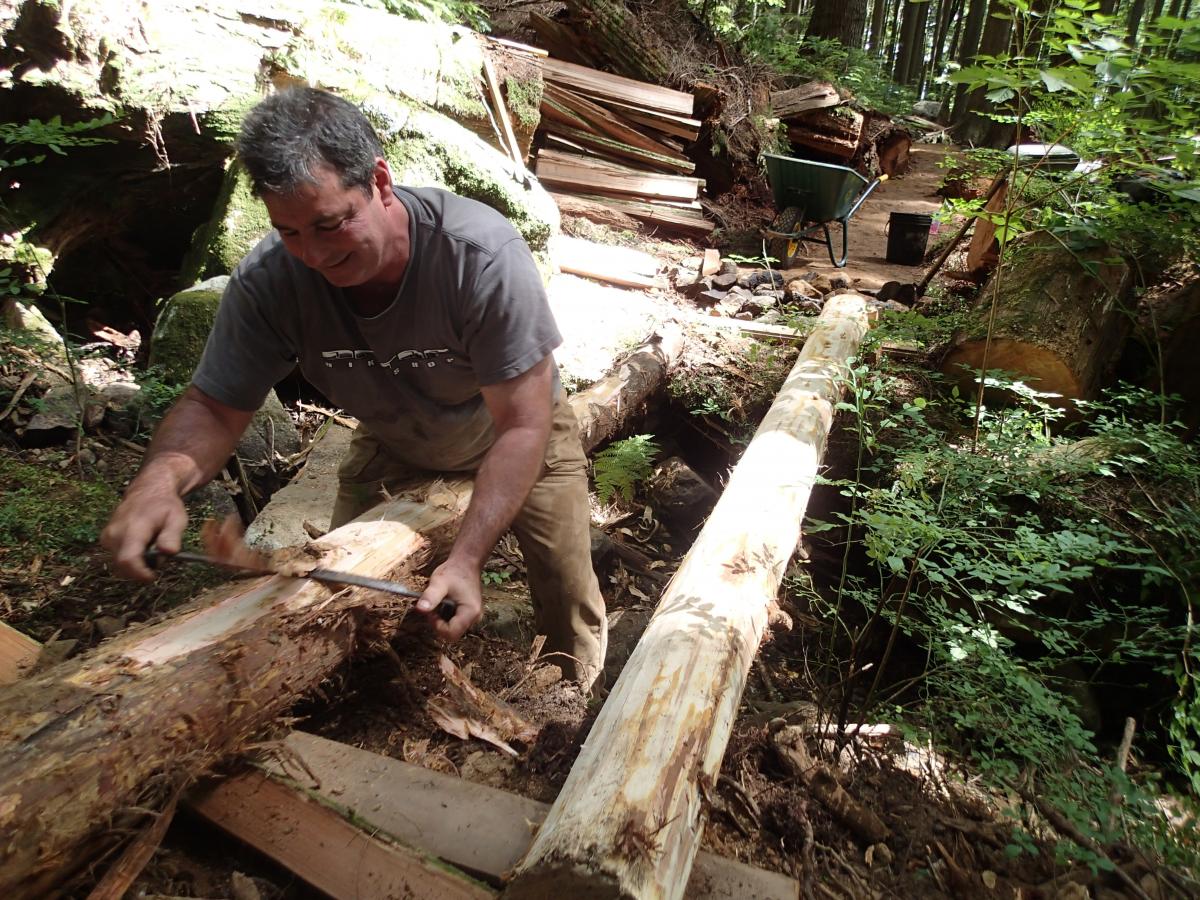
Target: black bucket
column 908, row 233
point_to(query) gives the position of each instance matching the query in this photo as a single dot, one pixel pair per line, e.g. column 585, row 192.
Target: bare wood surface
column 116, row 882
column 120, row 727
column 322, row 847
column 680, row 126
column 628, row 820
column 18, row 653
column 668, row 217
column 622, row 152
column 479, row 829
column 623, row 266
column 814, row 95
column 594, row 211
column 618, row 87
column 605, row 120
column 581, row 172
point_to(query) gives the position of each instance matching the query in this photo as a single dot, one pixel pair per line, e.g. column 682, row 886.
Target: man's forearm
column 191, row 444
column 507, row 474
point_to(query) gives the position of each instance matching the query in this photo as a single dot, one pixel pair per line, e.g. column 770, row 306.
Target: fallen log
column 477, row 828
column 594, row 211
column 628, row 820
column 607, row 408
column 622, row 266
column 840, row 148
column 87, row 744
column 1056, row 325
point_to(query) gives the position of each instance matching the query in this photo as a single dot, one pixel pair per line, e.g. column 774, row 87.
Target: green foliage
column 156, row 394
column 620, row 466
column 1133, row 110
column 53, row 135
column 450, row 11
column 1025, row 565
column 44, row 513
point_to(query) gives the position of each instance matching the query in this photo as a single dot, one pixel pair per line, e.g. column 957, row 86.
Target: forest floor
column 948, row 837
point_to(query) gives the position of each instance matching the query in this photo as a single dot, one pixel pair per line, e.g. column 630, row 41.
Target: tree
column 969, row 47
column 840, row 20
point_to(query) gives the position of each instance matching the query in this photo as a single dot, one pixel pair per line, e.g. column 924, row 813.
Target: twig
column 1122, row 760
column 958, row 236
column 337, row 417
column 16, row 397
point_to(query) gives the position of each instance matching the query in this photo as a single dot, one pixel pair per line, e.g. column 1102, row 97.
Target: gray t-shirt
column 471, row 311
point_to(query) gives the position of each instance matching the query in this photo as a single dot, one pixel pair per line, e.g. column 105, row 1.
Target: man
column 423, row 315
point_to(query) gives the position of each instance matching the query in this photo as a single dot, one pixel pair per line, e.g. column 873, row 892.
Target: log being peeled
column 1058, row 327
column 87, row 745
column 629, row 818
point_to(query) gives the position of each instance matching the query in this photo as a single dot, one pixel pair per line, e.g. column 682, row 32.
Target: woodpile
column 822, row 125
column 612, row 149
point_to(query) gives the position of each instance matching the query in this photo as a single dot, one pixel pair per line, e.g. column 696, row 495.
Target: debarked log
column 629, row 818
column 89, row 745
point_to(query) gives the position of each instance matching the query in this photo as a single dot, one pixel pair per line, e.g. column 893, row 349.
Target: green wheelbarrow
column 810, row 196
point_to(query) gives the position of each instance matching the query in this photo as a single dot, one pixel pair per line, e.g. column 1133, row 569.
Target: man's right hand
column 149, row 514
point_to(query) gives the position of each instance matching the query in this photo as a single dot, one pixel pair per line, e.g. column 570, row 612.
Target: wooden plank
column 680, row 126
column 509, row 137
column 18, row 653
column 608, row 122
column 314, row 840
column 669, row 217
column 618, row 87
column 814, row 95
column 753, row 329
column 616, row 265
column 477, row 828
column 594, row 174
column 519, row 47
column 624, row 152
column 658, row 742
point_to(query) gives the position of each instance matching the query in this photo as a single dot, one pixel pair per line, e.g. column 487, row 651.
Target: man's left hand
column 460, row 584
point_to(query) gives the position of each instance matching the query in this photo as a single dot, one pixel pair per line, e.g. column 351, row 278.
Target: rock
column 60, row 411
column 762, row 301
column 242, row 887
column 182, row 329
column 809, row 307
column 107, row 626
column 695, row 288
column 679, row 495
column 820, row 281
column 508, row 616
column 28, row 318
column 839, row 281
column 928, row 109
column 799, row 289
column 602, row 548
column 725, row 281
column 728, row 267
column 307, row 498
column 212, row 501
column 271, row 432
column 710, row 297
column 760, row 278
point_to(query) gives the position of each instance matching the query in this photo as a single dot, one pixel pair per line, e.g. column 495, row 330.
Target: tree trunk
column 1056, row 326
column 1137, row 12
column 628, row 820
column 908, row 33
column 893, row 38
column 967, row 50
column 840, row 20
column 916, row 52
column 609, row 26
column 878, row 20
column 971, row 127
column 949, row 13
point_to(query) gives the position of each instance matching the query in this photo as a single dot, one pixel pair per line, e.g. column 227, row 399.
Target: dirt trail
column 913, row 192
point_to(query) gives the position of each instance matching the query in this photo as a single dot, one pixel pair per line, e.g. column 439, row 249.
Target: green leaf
column 999, row 95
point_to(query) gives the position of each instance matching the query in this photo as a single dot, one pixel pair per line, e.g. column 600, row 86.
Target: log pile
column 612, row 148
column 822, row 125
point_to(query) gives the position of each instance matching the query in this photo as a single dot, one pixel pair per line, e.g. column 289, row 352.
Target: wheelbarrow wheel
column 783, row 249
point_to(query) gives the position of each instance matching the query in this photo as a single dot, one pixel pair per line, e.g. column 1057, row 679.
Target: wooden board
column 477, row 828
column 615, row 149
column 814, row 95
column 616, row 212
column 680, row 126
column 18, row 653
column 581, row 173
column 608, row 122
column 616, row 265
column 601, row 84
column 322, row 847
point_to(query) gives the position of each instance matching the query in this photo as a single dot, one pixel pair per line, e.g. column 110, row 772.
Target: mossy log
column 1057, row 325
column 628, row 821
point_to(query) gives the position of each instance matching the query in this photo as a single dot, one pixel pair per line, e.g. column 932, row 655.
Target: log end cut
column 1042, row 369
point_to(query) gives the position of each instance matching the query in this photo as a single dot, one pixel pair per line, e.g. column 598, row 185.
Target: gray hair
column 289, row 134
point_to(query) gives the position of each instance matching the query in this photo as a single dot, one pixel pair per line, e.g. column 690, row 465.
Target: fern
column 620, row 466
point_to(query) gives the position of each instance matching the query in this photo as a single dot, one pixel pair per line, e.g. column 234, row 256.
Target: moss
column 524, row 99
column 33, row 521
column 239, row 222
column 223, row 123
column 182, row 330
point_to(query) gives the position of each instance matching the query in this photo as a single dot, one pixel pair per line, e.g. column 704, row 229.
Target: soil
column 947, row 839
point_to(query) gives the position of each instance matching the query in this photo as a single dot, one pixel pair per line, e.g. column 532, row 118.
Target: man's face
column 340, row 232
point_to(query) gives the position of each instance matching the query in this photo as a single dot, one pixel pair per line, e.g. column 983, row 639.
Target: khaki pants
column 552, row 530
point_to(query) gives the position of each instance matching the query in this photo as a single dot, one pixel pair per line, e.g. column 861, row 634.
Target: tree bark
column 840, row 20
column 970, row 127
column 967, row 49
column 878, row 20
column 629, row 818
column 1056, row 326
column 908, row 36
column 88, row 742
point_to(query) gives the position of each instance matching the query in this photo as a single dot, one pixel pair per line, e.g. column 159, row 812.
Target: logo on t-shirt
column 415, row 358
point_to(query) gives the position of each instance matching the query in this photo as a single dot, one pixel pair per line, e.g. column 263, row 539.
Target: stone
column 696, row 288
column 799, row 289
column 760, row 278
column 927, row 109
column 839, row 280
column 710, row 297
column 820, row 281
column 271, row 432
column 60, row 411
column 725, row 281
column 680, row 496
column 182, row 328
column 728, row 267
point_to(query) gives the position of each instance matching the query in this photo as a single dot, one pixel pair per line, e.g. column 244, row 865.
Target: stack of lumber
column 822, row 125
column 612, row 149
